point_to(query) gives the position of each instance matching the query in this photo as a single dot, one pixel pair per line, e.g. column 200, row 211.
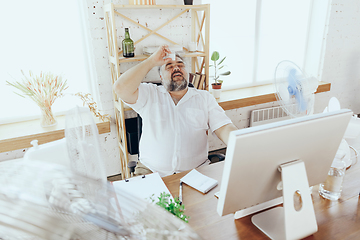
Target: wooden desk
column 336, row 220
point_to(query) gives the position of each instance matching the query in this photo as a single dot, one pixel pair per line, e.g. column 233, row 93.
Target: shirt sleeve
column 217, row 116
column 143, row 97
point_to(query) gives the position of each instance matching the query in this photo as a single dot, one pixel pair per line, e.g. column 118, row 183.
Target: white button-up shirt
column 174, row 137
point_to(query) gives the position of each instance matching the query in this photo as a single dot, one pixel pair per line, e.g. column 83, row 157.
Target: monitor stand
column 289, row 222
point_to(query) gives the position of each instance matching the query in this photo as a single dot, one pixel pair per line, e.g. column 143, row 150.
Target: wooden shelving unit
column 199, row 33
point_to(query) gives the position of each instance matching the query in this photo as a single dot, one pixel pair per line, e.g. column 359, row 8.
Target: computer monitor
column 257, row 162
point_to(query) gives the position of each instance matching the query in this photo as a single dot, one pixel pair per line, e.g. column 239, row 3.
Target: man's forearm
column 126, row 87
column 224, row 132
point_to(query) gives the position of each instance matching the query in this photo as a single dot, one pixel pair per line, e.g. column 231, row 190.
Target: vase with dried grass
column 43, row 89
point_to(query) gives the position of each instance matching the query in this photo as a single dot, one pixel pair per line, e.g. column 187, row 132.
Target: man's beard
column 174, row 86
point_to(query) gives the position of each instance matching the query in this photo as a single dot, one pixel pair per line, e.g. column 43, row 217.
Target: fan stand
column 287, row 222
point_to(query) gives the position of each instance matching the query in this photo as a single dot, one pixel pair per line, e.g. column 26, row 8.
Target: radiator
column 267, row 115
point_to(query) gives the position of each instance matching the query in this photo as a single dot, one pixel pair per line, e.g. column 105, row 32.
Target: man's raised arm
column 126, row 86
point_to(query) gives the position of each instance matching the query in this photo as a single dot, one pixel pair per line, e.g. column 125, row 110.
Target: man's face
column 174, row 75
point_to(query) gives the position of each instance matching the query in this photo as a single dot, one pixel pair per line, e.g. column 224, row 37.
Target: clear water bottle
column 331, row 188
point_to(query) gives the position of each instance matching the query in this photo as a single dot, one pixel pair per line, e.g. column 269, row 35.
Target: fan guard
column 294, row 89
column 41, row 201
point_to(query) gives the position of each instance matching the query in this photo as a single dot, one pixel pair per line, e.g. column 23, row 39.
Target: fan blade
column 295, row 89
column 292, row 83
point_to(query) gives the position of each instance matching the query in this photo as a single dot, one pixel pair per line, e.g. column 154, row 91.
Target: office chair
column 216, row 157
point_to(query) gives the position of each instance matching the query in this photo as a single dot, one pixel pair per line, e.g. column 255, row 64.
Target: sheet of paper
column 134, row 194
column 142, row 187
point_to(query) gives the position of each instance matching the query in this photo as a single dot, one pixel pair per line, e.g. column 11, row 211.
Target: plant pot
column 216, row 89
column 216, row 85
column 188, row 2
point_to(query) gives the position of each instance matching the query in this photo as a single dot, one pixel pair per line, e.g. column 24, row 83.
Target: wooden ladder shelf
column 200, row 23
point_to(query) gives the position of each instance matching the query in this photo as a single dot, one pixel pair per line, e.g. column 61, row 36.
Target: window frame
column 314, row 46
column 89, row 68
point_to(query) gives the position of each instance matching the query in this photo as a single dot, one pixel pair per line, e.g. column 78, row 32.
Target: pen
column 180, row 193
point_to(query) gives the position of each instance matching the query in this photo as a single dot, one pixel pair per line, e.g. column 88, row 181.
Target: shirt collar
column 189, row 94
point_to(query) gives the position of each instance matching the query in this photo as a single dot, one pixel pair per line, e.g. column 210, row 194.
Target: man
column 175, row 118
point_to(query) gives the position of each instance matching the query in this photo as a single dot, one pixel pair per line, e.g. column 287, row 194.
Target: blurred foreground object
column 41, row 200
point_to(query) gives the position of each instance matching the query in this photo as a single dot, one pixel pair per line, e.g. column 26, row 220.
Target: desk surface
column 336, row 220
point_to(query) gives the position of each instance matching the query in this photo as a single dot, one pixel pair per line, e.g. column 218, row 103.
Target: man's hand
column 159, row 57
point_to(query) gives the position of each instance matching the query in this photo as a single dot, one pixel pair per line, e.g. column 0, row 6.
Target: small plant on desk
column 173, row 206
column 217, row 67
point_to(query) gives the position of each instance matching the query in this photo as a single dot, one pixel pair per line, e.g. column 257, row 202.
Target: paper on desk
column 199, row 181
column 143, row 188
column 133, row 195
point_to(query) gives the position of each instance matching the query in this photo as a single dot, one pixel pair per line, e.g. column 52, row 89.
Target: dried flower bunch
column 89, row 101
column 43, row 89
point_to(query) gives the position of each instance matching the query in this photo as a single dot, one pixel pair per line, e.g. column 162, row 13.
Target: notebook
column 199, row 181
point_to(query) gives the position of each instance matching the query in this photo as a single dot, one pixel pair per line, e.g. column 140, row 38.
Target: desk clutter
column 152, row 189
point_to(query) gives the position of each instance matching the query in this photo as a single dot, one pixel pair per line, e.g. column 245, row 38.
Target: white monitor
column 266, row 165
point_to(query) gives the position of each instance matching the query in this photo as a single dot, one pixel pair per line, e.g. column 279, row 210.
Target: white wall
column 341, row 68
column 342, row 55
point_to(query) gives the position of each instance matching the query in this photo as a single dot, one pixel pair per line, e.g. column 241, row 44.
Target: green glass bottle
column 128, row 45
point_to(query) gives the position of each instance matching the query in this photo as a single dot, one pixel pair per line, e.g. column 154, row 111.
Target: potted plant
column 218, row 65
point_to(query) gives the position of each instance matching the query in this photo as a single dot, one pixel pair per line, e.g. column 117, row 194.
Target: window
column 41, row 35
column 256, row 35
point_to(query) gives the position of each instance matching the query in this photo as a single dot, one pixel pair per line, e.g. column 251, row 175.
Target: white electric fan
column 294, row 89
column 60, row 191
column 47, row 201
